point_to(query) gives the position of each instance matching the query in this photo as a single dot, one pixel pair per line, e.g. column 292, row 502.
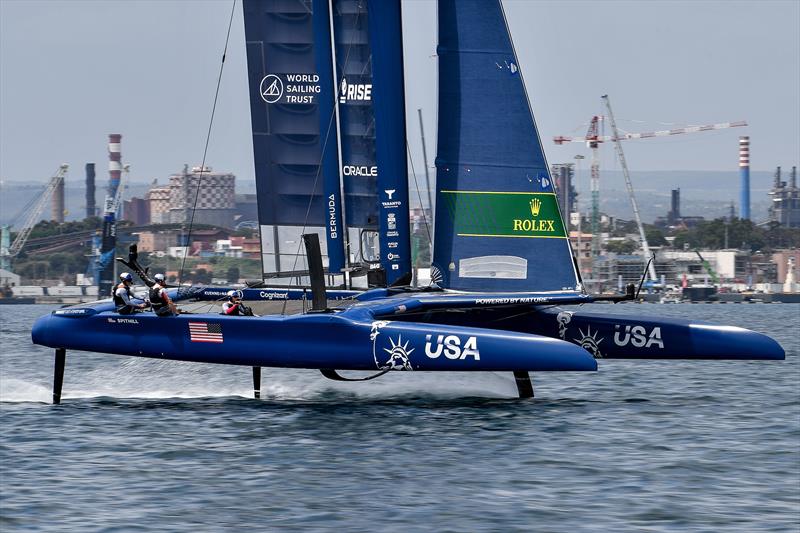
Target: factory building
column 563, row 174
column 91, row 209
column 785, row 208
column 211, row 195
column 157, row 199
column 58, row 202
column 137, row 210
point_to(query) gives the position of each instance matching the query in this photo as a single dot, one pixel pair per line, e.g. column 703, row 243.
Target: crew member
column 234, row 305
column 159, row 299
column 122, row 295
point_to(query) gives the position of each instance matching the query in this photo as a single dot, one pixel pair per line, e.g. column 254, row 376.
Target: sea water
column 147, row 445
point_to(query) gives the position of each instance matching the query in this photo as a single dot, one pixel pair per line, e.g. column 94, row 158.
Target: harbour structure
column 744, row 175
column 674, row 218
column 594, row 137
column 674, row 214
column 104, row 267
column 57, row 206
column 785, row 206
column 91, row 209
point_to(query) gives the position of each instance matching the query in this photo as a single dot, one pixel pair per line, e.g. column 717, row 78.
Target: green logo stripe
column 504, row 214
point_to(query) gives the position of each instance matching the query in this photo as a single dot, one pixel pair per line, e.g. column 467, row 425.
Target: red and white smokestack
column 114, row 163
column 744, row 174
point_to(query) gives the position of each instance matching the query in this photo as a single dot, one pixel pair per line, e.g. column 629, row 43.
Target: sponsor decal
column 391, row 223
column 504, row 214
column 273, row 295
column 452, row 346
column 392, row 244
column 359, row 92
column 563, row 318
column 108, row 205
column 205, row 332
column 398, row 355
column 289, row 88
column 436, row 275
column 505, row 301
column 391, row 256
column 534, row 224
column 215, row 293
column 333, row 223
column 398, row 351
column 360, row 170
column 589, row 342
column 395, row 267
column 123, row 320
column 637, row 336
column 510, row 65
column 391, row 203
column 74, row 312
column 271, row 88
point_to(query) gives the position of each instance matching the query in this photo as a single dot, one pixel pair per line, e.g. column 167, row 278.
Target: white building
column 8, row 278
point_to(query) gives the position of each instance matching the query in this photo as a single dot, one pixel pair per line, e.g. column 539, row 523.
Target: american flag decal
column 204, row 332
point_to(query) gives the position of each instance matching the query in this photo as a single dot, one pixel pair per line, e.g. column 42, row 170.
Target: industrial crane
column 621, row 156
column 593, row 139
column 7, row 252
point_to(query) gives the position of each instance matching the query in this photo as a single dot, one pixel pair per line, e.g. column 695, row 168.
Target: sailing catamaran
column 327, row 106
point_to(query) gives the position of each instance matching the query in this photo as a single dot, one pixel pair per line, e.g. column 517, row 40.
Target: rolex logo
column 536, row 206
column 534, row 224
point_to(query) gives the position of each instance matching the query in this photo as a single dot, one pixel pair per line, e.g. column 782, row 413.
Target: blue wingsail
column 390, row 138
column 294, row 139
column 370, row 100
column 498, row 224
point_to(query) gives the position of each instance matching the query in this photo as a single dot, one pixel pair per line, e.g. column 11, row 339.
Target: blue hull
column 351, row 340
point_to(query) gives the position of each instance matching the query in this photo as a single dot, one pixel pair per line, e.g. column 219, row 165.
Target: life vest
column 156, row 300
column 118, row 301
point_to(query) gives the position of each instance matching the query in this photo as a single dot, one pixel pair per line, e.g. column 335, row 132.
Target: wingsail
column 329, row 132
column 294, row 142
column 498, row 225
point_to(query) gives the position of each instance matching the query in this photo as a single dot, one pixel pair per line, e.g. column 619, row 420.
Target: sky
column 73, row 71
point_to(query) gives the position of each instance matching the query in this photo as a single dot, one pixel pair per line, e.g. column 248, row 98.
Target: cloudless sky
column 72, row 71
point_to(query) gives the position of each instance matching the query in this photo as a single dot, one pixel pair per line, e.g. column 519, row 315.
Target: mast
column 342, row 205
column 425, row 161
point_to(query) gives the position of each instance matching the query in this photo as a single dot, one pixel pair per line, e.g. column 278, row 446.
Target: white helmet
column 159, row 278
column 234, row 294
column 126, row 276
